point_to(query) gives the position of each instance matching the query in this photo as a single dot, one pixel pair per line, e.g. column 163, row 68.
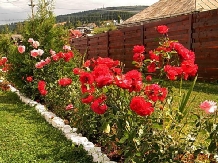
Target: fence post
column 190, row 31
column 108, row 54
column 142, row 34
column 87, row 47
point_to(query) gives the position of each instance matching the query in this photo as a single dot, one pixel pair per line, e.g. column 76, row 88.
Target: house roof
column 169, row 8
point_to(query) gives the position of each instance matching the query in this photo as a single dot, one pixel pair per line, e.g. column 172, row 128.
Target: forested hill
column 102, row 14
column 91, row 16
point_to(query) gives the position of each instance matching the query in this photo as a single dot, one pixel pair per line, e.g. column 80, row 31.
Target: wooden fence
column 196, row 31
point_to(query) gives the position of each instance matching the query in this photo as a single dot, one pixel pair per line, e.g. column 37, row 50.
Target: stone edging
column 70, row 133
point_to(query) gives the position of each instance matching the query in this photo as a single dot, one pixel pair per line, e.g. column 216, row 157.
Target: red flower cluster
column 41, row 87
column 154, row 92
column 187, row 66
column 101, row 72
column 141, row 106
column 64, row 82
column 3, row 64
column 161, row 58
column 66, row 56
column 132, row 81
column 138, row 55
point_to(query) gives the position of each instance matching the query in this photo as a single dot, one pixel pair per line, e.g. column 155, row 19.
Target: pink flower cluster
column 42, row 63
column 36, row 52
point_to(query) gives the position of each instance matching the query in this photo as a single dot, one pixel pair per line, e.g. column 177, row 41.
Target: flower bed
column 132, row 116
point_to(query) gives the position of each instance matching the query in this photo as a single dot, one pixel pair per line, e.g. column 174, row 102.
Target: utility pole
column 32, row 6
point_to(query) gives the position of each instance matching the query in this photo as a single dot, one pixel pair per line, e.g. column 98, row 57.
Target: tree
column 43, row 29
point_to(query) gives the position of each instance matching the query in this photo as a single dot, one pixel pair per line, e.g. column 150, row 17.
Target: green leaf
column 105, row 90
column 147, row 60
column 138, row 154
column 212, row 146
column 124, row 138
column 157, row 126
column 185, row 99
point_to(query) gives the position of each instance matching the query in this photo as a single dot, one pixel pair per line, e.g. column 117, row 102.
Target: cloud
column 19, row 10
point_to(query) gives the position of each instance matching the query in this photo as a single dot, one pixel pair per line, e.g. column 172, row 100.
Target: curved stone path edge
column 67, row 130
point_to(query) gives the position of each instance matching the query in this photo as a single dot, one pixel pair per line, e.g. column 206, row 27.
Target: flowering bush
column 132, row 115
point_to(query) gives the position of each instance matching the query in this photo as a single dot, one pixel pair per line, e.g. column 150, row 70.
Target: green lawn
column 25, row 136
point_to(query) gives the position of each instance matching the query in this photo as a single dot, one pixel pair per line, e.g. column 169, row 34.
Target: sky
column 19, row 10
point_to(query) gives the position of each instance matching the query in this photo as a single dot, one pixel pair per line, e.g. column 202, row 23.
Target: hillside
column 102, row 14
column 93, row 16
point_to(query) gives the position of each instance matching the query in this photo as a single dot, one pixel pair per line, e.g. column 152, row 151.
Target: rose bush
column 131, row 115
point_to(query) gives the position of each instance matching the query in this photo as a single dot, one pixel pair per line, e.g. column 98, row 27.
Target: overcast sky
column 19, row 10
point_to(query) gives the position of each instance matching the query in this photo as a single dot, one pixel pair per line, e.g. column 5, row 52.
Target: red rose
column 189, row 69
column 172, row 72
column 123, row 82
column 29, row 78
column 87, row 88
column 47, row 60
column 88, row 99
column 64, row 81
column 154, row 92
column 148, row 78
column 138, row 57
column 107, row 61
column 98, row 106
column 151, row 67
column 67, row 56
column 77, row 71
column 153, row 56
column 41, row 85
column 104, row 80
column 136, row 80
column 3, row 60
column 138, row 49
column 86, row 78
column 163, row 29
column 69, row 107
column 43, row 92
column 87, row 63
column 140, row 106
column 55, row 57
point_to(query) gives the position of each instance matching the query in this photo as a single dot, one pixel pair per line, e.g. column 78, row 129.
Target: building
column 169, row 8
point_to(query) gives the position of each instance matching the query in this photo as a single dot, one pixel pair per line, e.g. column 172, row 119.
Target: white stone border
column 70, row 133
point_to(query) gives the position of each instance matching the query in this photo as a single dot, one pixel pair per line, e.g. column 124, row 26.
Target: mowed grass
column 202, row 91
column 25, row 137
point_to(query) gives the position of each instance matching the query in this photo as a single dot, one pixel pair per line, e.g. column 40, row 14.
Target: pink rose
column 21, row 49
column 208, row 106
